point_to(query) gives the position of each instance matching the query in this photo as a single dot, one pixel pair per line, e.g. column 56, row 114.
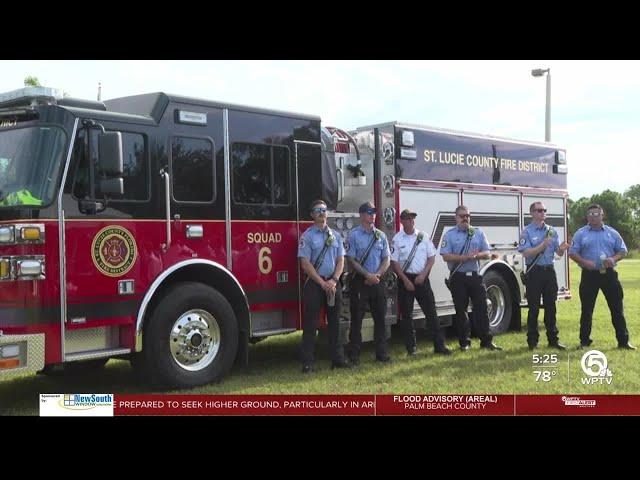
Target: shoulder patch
column 444, row 244
column 522, row 241
column 301, row 244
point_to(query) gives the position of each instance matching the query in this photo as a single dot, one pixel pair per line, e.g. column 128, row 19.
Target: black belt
column 544, row 267
column 467, row 274
column 598, row 271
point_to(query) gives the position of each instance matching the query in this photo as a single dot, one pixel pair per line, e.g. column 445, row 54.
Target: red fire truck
column 164, row 229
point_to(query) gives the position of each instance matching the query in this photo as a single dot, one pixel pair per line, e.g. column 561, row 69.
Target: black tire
column 156, row 363
column 499, row 293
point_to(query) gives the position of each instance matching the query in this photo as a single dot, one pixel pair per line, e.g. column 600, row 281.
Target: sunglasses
column 594, row 214
column 371, row 211
column 466, row 215
column 540, row 210
column 319, row 210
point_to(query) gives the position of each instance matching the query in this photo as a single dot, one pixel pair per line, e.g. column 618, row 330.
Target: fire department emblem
column 114, row 251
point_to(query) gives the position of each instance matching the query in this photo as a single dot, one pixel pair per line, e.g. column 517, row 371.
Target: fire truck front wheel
column 191, row 338
column 499, row 302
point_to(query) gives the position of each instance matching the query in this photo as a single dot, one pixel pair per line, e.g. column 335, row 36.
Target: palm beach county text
column 445, row 402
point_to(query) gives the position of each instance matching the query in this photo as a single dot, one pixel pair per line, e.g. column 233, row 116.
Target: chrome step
column 92, row 354
column 277, row 331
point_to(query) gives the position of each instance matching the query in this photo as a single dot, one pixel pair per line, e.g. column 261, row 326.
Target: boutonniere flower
column 330, row 239
column 471, row 231
column 420, row 237
column 550, row 233
column 377, row 234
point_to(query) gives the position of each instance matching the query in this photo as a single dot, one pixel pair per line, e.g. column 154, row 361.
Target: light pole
column 538, row 72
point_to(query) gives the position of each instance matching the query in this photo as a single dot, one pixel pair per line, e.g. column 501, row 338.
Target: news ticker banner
column 346, row 405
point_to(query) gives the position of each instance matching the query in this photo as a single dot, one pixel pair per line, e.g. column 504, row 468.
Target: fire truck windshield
column 30, row 164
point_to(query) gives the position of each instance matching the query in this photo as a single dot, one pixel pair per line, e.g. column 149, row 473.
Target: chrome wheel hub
column 495, row 305
column 195, row 340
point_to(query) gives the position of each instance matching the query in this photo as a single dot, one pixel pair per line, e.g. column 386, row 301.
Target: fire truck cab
column 156, row 227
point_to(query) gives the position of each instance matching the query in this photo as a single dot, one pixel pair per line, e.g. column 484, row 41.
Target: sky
column 595, row 105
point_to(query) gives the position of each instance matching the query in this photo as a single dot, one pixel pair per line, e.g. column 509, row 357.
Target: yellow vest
column 21, row 197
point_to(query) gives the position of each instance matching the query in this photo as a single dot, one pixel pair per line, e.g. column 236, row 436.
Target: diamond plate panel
column 84, row 339
column 31, row 348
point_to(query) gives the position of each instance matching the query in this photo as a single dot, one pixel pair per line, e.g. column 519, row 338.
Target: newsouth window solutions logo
column 76, row 404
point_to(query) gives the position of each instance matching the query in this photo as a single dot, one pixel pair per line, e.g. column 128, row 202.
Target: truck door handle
column 194, row 231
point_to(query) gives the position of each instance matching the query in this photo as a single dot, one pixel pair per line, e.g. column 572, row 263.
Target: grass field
column 274, row 367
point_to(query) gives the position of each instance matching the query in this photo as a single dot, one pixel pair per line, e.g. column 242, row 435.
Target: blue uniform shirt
column 312, row 243
column 453, row 242
column 590, row 243
column 532, row 236
column 359, row 240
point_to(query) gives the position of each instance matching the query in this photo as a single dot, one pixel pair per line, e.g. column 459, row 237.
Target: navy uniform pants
column 542, row 282
column 427, row 302
column 314, row 298
column 359, row 296
column 463, row 288
column 592, row 281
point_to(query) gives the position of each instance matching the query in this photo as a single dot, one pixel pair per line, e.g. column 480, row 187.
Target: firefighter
column 368, row 256
column 412, row 258
column 321, row 254
column 462, row 247
column 538, row 243
column 597, row 248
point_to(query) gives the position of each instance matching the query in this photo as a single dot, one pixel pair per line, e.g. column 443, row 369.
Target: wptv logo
column 595, row 366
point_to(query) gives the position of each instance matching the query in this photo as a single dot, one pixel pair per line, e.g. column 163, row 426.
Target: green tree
column 632, row 195
column 577, row 214
column 31, row 81
column 618, row 214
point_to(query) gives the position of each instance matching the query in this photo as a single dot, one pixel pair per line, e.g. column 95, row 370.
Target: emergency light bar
column 30, row 96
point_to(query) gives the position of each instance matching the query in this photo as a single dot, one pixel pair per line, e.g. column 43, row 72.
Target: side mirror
column 89, row 207
column 110, row 154
column 112, row 186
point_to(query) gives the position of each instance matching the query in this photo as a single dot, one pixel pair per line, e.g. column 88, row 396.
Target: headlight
column 7, row 234
column 29, row 268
